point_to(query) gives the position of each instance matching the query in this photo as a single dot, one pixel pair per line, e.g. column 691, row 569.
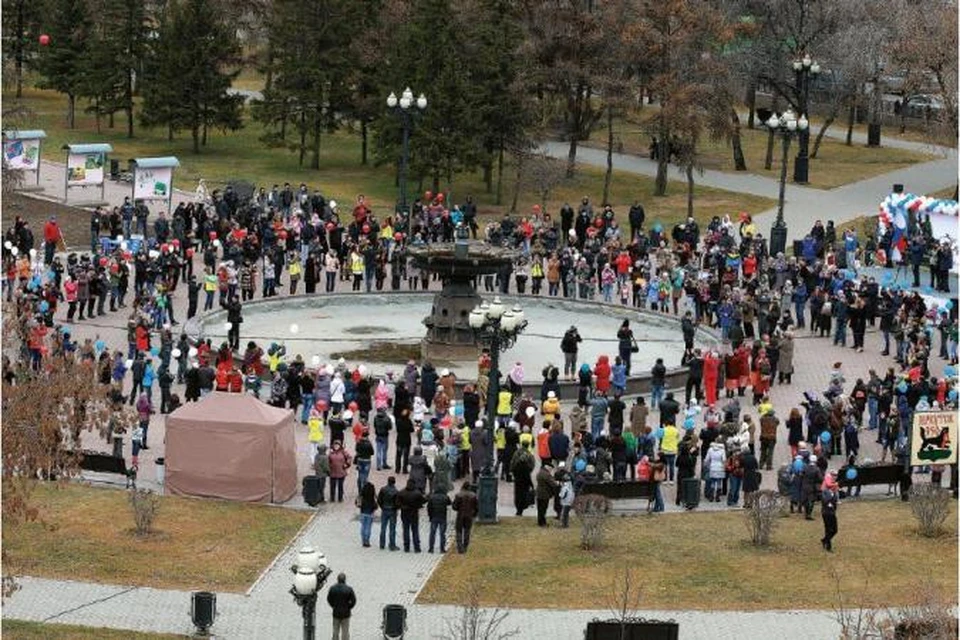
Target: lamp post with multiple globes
column 787, row 125
column 405, row 107
column 310, row 574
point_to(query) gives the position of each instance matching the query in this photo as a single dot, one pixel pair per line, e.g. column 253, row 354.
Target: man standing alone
column 466, row 505
column 341, row 599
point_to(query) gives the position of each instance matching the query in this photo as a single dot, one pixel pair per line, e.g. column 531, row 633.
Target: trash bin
column 690, row 492
column 114, row 169
column 311, row 490
column 798, row 249
column 203, row 610
column 161, row 470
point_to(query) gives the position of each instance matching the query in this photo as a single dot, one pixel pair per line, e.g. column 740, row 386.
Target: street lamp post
column 403, row 107
column 310, row 574
column 804, row 69
column 788, row 126
column 499, row 328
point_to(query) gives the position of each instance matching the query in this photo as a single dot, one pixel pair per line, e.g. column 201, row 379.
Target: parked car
column 924, row 106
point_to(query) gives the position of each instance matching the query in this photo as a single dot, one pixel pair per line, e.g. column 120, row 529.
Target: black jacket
column 410, row 501
column 387, row 497
column 437, row 505
column 341, row 599
column 364, row 449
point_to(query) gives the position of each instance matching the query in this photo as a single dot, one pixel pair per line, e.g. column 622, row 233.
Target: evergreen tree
column 187, row 85
column 20, row 36
column 63, row 63
column 310, row 64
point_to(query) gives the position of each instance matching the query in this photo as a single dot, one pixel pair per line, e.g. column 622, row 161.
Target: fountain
column 449, row 336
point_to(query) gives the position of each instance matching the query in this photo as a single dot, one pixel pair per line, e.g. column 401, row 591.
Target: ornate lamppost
column 787, row 126
column 310, row 574
column 805, row 68
column 498, row 329
column 403, row 107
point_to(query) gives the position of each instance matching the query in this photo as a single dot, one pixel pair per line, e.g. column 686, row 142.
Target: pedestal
column 487, row 496
column 778, row 239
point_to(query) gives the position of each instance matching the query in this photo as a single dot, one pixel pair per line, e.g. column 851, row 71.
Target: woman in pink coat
column 381, row 396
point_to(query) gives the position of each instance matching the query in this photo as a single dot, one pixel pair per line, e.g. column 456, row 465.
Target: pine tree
column 186, row 85
column 309, row 69
column 62, row 64
column 20, row 36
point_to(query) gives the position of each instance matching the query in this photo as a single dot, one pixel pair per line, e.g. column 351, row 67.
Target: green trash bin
column 690, row 492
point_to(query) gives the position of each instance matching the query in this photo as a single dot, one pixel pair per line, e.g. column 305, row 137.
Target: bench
column 879, row 474
column 623, row 490
column 107, row 463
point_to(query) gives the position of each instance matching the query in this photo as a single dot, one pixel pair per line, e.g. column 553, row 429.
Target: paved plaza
column 382, row 577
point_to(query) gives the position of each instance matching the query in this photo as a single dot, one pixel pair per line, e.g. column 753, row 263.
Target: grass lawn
column 835, row 165
column 198, row 544
column 23, row 630
column 240, row 155
column 702, row 561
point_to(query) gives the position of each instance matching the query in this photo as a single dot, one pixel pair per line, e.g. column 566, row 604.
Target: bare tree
column 145, row 505
column 593, row 511
column 930, row 505
column 762, row 516
column 624, row 597
column 540, row 173
column 473, row 622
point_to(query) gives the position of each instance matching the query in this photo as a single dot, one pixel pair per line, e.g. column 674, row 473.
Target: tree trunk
column 739, row 162
column 516, row 184
column 195, row 132
column 768, row 160
column 110, row 120
column 203, row 137
column 851, row 116
column 71, row 108
column 690, row 190
column 751, row 100
column 435, row 186
column 572, row 155
column 488, row 175
column 499, row 199
column 128, row 99
column 303, row 138
column 20, row 36
column 170, row 132
column 609, row 174
column 315, row 145
column 268, row 81
column 823, row 131
column 363, row 141
column 97, row 114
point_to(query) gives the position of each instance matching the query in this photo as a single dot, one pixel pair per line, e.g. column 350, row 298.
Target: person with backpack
column 437, row 505
column 569, row 346
column 387, row 501
column 467, row 506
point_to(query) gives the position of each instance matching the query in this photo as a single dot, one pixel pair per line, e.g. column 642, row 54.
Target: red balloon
column 44, row 39
column 127, row 256
column 331, row 226
column 353, row 406
column 283, row 234
column 398, row 236
column 176, row 243
column 366, row 228
column 536, row 208
column 213, row 235
column 164, row 247
column 322, row 405
column 103, row 262
column 190, row 252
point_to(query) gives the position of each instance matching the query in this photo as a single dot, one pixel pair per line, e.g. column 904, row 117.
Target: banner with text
column 152, row 184
column 22, row 154
column 931, row 441
column 84, row 169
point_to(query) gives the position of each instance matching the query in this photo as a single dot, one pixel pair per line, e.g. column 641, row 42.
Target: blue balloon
column 154, row 351
column 851, row 473
column 580, row 465
column 949, row 305
column 44, row 306
column 797, row 466
column 902, row 387
column 949, row 371
column 688, row 423
column 952, row 395
column 458, row 410
column 825, row 437
column 660, row 433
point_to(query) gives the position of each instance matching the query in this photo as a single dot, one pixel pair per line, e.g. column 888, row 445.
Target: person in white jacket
column 337, row 389
column 715, row 463
column 566, row 500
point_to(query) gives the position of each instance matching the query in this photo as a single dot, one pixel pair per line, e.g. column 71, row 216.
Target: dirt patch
column 387, row 352
column 74, row 222
column 366, row 330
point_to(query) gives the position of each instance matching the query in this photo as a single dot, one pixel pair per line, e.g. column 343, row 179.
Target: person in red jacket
column 70, row 295
column 51, row 237
column 602, row 372
column 143, row 337
column 711, row 372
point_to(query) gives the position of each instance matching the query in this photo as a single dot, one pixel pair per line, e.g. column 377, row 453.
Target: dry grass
column 701, row 561
column 241, row 155
column 197, row 544
column 835, row 165
column 23, row 630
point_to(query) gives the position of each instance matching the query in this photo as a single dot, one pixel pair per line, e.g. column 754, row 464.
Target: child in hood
column 419, row 410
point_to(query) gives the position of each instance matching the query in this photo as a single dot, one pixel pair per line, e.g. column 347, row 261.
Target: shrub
column 931, row 506
column 592, row 510
column 762, row 516
column 145, row 505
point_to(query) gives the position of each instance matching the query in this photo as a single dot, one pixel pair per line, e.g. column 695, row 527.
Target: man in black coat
column 467, row 506
column 637, row 216
column 341, row 599
column 410, row 500
column 669, row 409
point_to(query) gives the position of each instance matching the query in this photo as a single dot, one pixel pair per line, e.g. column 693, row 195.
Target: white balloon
column 33, row 253
column 193, row 352
column 294, row 328
column 329, row 370
column 123, row 245
column 119, row 238
column 216, row 243
column 315, row 361
column 227, row 326
column 8, row 244
column 15, row 251
column 333, row 204
column 128, row 363
column 531, row 412
column 176, row 353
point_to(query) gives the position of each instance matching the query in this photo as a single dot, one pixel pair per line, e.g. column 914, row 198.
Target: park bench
column 107, row 463
column 623, row 490
column 888, row 474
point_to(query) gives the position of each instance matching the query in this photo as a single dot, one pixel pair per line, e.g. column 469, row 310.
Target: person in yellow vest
column 669, row 445
column 464, row 457
column 295, row 269
column 315, row 431
column 500, row 445
column 210, row 285
column 356, row 268
column 526, row 439
column 551, row 407
column 504, row 406
column 275, row 356
column 536, row 274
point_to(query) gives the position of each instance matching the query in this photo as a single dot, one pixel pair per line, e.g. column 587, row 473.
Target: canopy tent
column 231, row 446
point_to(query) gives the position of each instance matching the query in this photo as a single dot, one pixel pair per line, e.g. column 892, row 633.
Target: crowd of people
column 547, row 445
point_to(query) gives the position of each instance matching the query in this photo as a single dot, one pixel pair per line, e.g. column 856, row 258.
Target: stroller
column 394, row 622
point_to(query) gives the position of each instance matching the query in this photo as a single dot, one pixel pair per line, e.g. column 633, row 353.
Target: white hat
column 813, row 458
column 444, row 372
column 478, row 423
column 551, row 394
column 348, row 415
